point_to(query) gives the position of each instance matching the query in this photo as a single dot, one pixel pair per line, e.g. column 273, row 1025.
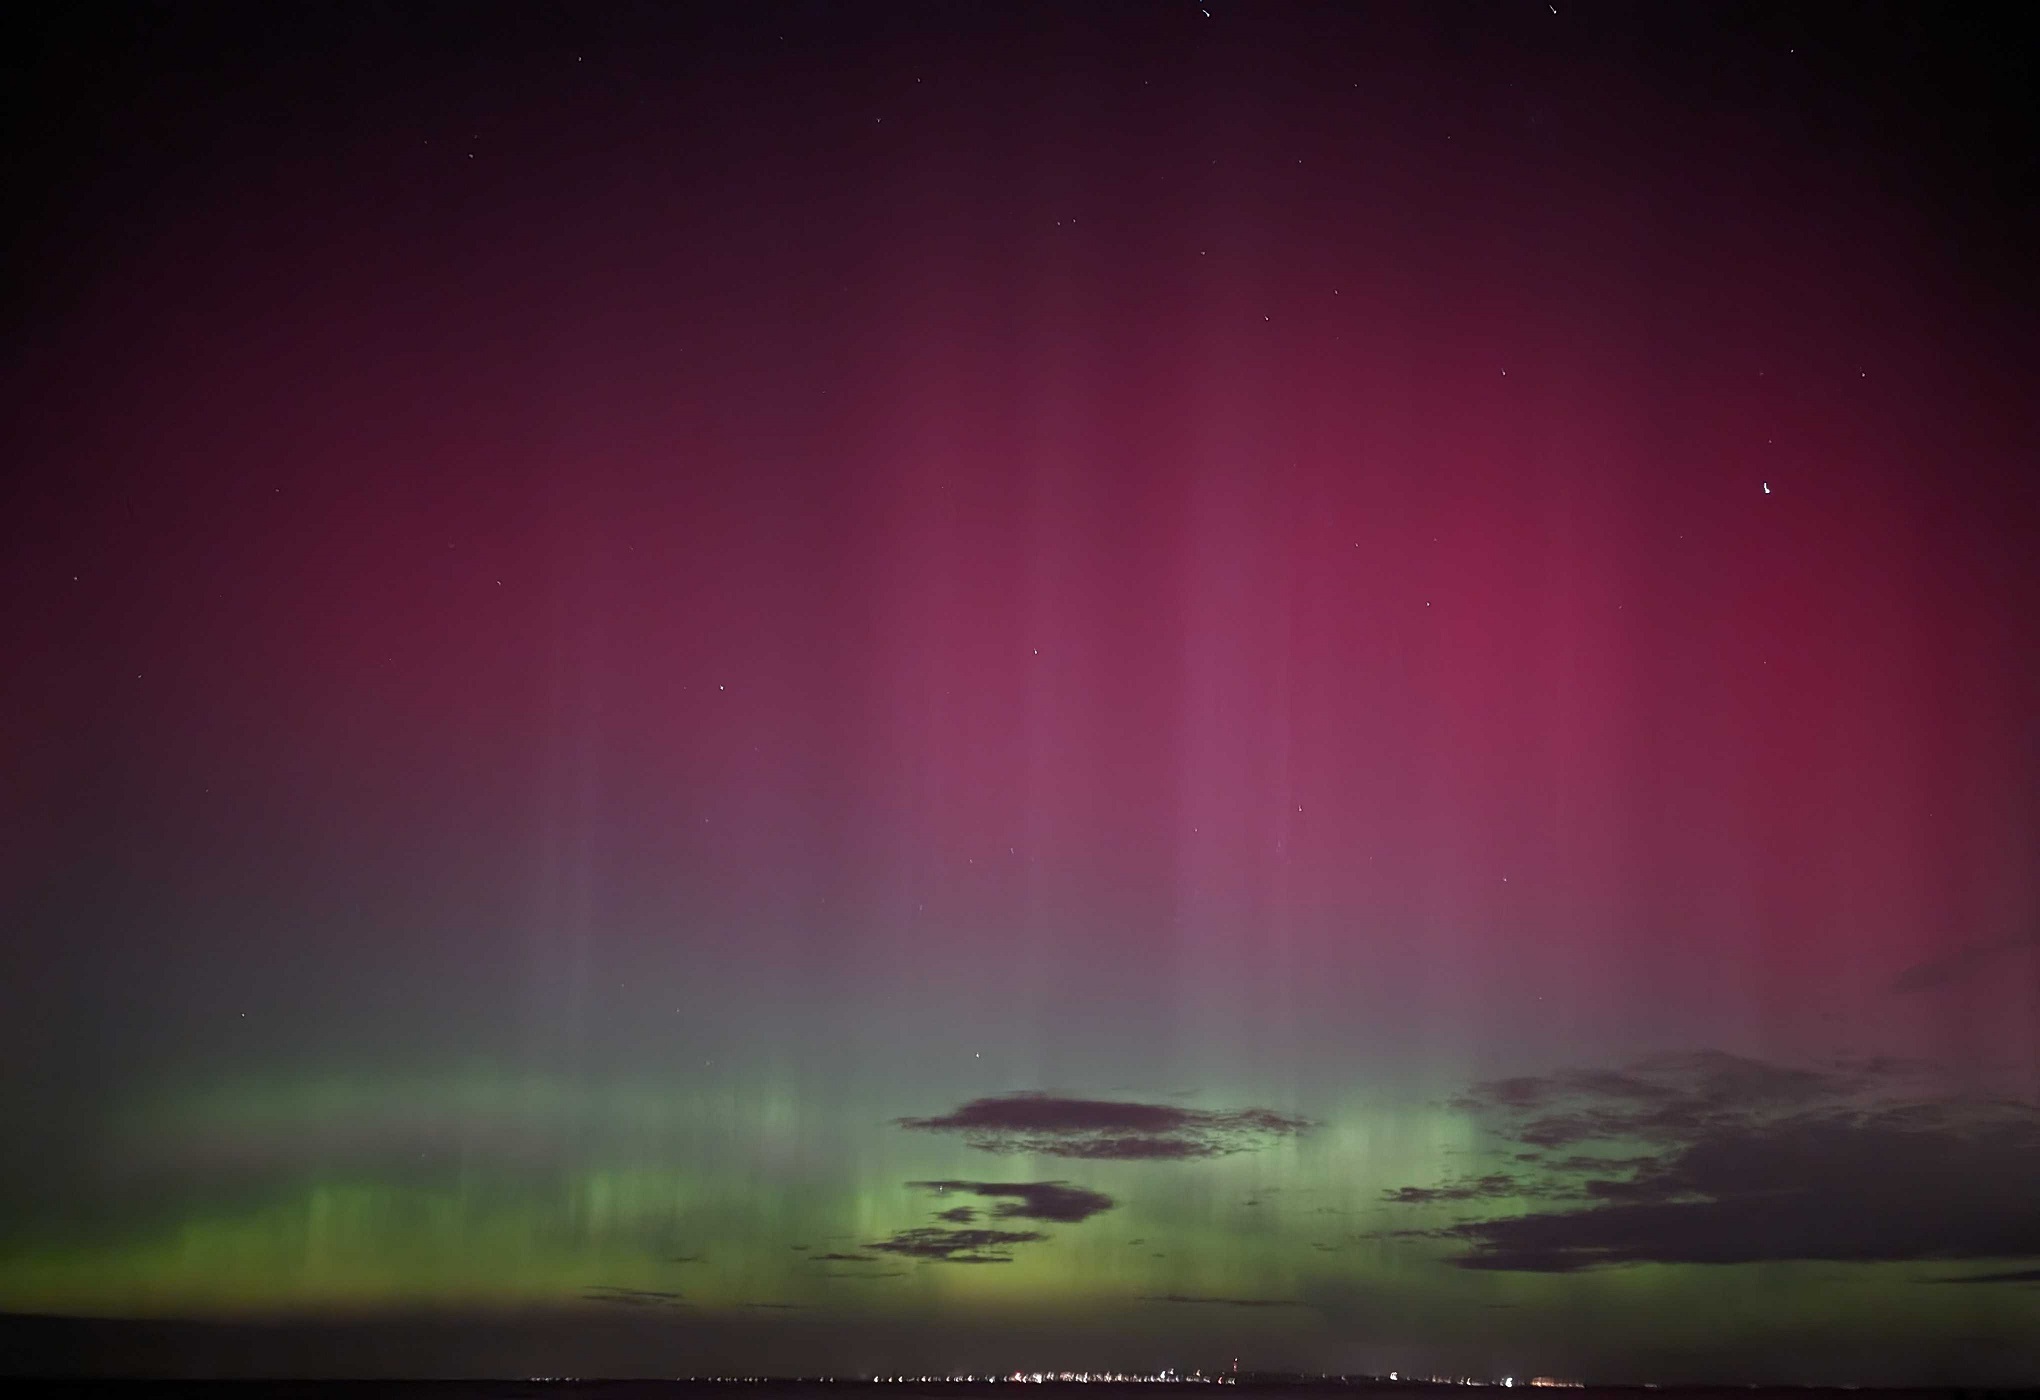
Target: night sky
column 797, row 687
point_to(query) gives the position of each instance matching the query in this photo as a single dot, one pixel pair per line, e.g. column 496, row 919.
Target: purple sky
column 676, row 669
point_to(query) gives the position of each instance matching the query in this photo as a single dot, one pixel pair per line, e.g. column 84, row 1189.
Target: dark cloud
column 2010, row 1276
column 684, row 1258
column 1101, row 1129
column 1224, row 1302
column 1749, row 1161
column 1673, row 1097
column 845, row 1259
column 957, row 1246
column 632, row 1297
column 1963, row 962
column 1661, row 1094
column 1025, row 1200
column 1012, row 1200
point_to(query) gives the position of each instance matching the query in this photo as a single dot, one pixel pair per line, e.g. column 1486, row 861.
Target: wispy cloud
column 632, row 1297
column 957, row 1246
column 1040, row 1124
column 1486, row 1188
column 1961, row 963
column 2008, row 1276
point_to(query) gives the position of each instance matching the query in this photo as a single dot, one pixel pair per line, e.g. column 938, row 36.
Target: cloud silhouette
column 1485, row 1188
column 844, row 1259
column 942, row 1246
column 1057, row 1201
column 1024, row 1200
column 1040, row 1124
column 1962, row 963
column 631, row 1297
column 1749, row 1161
column 2009, row 1276
column 1223, row 1302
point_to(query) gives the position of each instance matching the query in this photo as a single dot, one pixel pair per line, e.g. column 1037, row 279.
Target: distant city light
column 1168, row 1375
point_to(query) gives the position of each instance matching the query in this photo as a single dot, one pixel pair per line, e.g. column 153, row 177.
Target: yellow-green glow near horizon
column 788, row 686
column 699, row 1204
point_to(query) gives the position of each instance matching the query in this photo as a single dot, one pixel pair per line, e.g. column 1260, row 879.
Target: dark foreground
column 859, row 1390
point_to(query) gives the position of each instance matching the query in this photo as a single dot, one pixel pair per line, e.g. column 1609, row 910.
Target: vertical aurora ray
column 1404, row 650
